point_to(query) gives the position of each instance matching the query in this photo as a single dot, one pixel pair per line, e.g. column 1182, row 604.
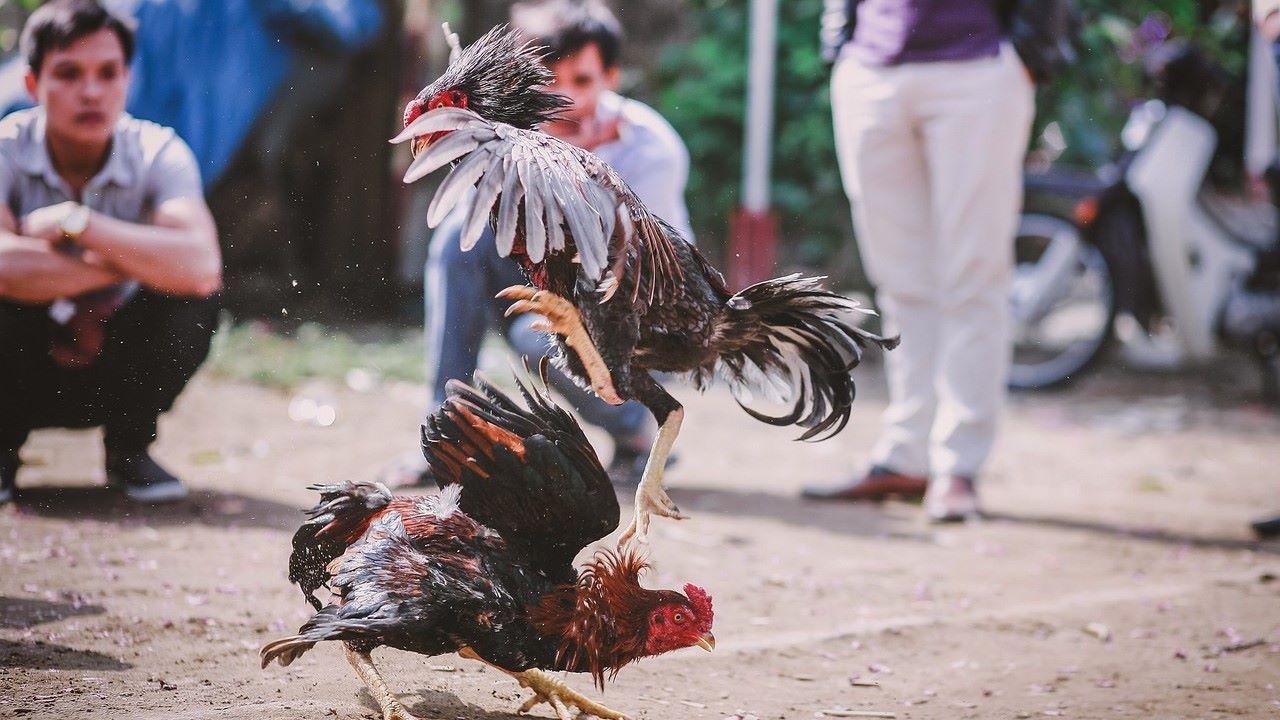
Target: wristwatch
column 74, row 222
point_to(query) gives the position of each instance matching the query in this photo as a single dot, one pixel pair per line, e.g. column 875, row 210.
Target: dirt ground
column 1115, row 577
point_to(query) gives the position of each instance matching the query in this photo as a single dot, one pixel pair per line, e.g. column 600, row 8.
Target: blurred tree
column 1090, row 102
column 702, row 91
column 13, row 15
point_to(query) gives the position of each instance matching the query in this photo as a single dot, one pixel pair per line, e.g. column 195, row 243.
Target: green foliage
column 13, row 13
column 1092, row 99
column 253, row 352
column 703, row 93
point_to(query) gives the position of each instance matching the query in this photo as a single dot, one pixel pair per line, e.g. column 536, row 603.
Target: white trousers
column 931, row 157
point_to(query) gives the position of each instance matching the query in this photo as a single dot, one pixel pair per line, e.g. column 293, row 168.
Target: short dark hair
column 567, row 26
column 57, row 24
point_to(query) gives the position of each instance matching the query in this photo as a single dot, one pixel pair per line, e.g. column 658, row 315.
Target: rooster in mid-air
column 623, row 293
column 485, row 568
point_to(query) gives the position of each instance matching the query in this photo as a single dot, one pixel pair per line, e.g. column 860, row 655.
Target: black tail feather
column 792, row 335
column 327, row 624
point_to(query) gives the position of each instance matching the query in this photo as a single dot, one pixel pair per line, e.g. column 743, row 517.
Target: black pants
column 153, row 345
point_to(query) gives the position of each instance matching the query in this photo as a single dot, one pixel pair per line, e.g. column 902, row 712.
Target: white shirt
column 650, row 156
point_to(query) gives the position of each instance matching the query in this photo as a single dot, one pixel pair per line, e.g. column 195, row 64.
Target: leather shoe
column 880, row 483
column 951, row 499
column 1267, row 527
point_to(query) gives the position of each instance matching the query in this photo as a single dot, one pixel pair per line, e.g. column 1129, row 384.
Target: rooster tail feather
column 324, row 625
column 794, row 342
column 337, row 520
column 285, row 650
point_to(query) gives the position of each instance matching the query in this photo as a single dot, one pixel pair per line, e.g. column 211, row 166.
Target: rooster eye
column 679, row 617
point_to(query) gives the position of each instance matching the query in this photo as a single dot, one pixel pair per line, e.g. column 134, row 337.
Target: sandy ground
column 1118, row 506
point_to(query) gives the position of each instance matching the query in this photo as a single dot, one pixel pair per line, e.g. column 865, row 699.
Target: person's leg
column 977, row 121
column 154, row 345
column 24, row 368
column 629, row 424
column 458, row 305
column 883, row 166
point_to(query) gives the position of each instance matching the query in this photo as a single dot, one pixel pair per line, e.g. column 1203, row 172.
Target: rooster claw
column 561, row 697
column 649, row 504
column 562, row 318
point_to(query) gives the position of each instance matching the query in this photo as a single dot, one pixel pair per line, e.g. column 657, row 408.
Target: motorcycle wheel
column 1063, row 301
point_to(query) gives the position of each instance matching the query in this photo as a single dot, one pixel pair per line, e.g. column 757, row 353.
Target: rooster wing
column 550, row 196
column 530, row 474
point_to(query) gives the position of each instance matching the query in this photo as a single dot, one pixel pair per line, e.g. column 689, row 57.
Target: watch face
column 75, row 222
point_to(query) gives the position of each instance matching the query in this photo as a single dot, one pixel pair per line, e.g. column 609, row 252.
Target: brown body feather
column 487, row 564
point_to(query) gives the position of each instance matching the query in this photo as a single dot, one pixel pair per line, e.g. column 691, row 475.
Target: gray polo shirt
column 149, row 164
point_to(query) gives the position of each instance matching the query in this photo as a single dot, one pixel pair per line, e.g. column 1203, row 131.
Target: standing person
column 932, row 109
column 584, row 42
column 1260, row 147
column 109, row 258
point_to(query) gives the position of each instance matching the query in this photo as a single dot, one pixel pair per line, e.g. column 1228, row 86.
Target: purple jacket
column 1040, row 31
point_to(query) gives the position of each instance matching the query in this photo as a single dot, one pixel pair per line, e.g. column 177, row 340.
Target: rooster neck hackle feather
column 603, row 619
column 503, row 78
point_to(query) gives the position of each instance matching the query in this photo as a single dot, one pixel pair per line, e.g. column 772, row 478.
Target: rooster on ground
column 485, row 568
column 622, row 292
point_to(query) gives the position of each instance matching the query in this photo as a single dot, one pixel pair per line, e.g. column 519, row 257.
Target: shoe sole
column 149, row 494
column 157, row 494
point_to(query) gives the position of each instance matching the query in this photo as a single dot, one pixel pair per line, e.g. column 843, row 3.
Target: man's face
column 82, row 88
column 581, row 77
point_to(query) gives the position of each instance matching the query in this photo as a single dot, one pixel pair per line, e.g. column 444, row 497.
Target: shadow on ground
column 39, row 655
column 835, row 517
column 438, row 703
column 203, row 507
column 1149, row 534
column 23, row 613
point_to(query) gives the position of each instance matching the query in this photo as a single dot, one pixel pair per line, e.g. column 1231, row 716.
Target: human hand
column 46, row 223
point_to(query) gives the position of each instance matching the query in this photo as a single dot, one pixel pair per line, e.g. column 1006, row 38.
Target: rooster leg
column 549, row 690
column 562, row 318
column 651, row 496
column 392, row 709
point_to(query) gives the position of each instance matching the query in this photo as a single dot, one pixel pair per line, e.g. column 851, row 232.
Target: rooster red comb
column 701, row 603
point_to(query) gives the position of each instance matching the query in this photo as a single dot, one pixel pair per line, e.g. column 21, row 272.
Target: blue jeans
column 459, row 289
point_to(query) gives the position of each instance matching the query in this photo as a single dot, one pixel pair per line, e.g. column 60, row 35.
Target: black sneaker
column 143, row 480
column 9, row 464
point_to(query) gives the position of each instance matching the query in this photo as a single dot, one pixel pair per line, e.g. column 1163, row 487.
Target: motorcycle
column 1145, row 253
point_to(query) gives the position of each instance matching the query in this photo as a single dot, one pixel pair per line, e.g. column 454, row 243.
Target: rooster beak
column 707, row 642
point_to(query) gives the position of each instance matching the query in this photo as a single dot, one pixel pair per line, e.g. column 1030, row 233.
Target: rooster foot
column 391, row 707
column 562, row 318
column 651, row 496
column 560, row 697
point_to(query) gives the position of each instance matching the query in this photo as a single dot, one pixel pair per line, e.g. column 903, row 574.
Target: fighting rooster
column 485, row 568
column 622, row 292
